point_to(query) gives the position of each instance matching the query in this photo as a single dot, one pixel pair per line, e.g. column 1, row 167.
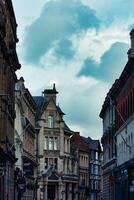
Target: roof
column 119, row 83
column 60, row 111
column 41, row 105
column 93, row 144
column 66, row 127
column 107, row 99
column 79, row 143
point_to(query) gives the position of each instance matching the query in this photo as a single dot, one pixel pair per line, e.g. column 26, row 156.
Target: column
column 61, row 139
column 61, row 191
column 41, row 191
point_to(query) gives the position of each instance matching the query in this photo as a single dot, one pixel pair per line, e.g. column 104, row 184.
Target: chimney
column 50, row 94
column 131, row 51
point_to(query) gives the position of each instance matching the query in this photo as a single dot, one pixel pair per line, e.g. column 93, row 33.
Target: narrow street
column 66, row 100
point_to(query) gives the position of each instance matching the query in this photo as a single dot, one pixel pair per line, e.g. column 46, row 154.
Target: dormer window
column 50, row 121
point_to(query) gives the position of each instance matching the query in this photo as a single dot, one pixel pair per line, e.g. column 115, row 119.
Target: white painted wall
column 125, row 153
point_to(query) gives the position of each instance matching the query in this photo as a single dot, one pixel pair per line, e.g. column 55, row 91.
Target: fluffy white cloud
column 61, row 55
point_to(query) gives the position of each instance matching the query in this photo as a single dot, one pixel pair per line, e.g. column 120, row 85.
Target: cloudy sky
column 81, row 45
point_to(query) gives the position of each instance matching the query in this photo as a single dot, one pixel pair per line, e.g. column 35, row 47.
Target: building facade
column 25, row 141
column 95, row 169
column 95, row 161
column 118, row 182
column 124, row 96
column 8, row 65
column 58, row 168
column 80, row 150
column 109, row 145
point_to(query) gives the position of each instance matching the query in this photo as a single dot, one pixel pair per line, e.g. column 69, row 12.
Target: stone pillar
column 61, row 139
column 61, row 143
column 41, row 191
column 61, row 195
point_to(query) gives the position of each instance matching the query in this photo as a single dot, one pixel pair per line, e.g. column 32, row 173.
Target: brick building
column 117, row 140
column 124, row 98
column 95, row 162
column 8, row 65
column 80, row 148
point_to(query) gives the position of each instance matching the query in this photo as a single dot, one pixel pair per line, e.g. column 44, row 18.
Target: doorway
column 51, row 192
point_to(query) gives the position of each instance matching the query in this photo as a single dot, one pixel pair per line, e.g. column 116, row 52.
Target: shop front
column 125, row 181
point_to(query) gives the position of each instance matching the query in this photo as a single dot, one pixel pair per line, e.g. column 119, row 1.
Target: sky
column 81, row 46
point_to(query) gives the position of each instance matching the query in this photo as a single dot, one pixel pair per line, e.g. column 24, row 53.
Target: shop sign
column 28, row 168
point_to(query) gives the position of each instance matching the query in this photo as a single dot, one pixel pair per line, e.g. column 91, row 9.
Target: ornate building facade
column 124, row 97
column 109, row 145
column 80, row 150
column 8, row 65
column 58, row 168
column 25, row 140
column 117, row 140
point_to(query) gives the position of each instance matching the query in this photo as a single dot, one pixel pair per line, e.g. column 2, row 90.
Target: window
column 51, row 121
column 55, row 163
column 92, row 169
column 96, row 170
column 46, row 163
column 55, row 143
column 96, row 185
column 51, row 143
column 46, row 143
column 51, row 162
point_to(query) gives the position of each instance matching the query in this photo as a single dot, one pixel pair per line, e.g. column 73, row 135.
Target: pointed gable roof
column 41, row 105
column 79, row 143
column 93, row 144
